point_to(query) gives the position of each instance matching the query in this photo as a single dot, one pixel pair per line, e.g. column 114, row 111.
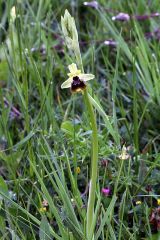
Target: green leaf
column 3, row 187
column 29, row 215
column 24, row 140
column 154, row 237
column 68, row 128
column 106, row 119
column 106, row 220
column 2, row 225
column 44, row 232
column 14, row 235
column 3, row 71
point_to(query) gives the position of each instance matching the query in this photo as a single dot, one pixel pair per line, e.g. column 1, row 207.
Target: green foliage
column 45, row 133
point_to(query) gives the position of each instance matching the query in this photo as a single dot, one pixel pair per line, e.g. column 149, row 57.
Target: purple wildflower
column 125, row 17
column 110, row 43
column 121, row 17
column 14, row 113
column 93, row 4
column 144, row 17
column 106, row 191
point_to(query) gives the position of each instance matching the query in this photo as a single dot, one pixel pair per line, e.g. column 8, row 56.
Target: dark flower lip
column 77, row 85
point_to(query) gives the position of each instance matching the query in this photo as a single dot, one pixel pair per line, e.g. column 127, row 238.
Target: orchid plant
column 77, row 83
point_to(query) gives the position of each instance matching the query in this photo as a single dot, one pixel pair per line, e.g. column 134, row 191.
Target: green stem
column 94, row 167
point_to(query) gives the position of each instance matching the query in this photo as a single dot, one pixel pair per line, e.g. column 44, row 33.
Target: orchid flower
column 77, row 80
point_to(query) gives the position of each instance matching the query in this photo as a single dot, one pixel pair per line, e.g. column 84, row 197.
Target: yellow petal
column 86, row 77
column 67, row 83
column 72, row 68
column 77, row 73
column 138, row 203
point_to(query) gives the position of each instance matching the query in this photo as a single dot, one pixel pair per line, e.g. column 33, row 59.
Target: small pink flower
column 106, row 191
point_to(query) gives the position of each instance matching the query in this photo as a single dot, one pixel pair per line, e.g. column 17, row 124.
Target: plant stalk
column 94, row 167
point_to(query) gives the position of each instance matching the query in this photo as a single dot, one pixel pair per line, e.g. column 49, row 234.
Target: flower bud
column 69, row 30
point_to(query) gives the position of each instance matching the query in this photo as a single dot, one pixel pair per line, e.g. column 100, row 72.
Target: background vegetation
column 44, row 130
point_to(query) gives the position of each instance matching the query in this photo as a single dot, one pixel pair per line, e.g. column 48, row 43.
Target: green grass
column 40, row 149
